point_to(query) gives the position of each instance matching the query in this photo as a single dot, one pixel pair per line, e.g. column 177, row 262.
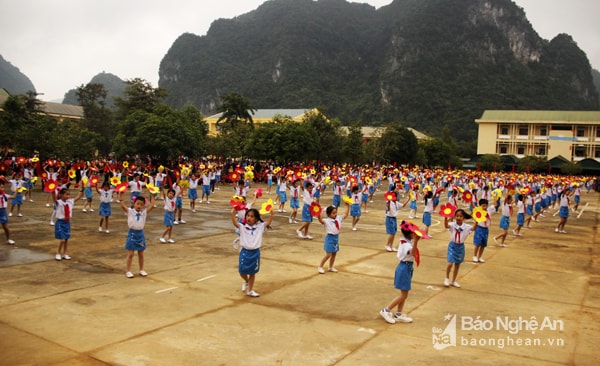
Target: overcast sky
column 61, row 44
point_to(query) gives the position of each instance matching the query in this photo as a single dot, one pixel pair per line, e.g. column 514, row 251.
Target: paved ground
column 535, row 302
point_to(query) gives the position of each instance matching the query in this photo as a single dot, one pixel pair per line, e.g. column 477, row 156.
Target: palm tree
column 235, row 109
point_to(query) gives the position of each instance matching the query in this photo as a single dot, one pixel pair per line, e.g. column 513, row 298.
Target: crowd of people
column 470, row 200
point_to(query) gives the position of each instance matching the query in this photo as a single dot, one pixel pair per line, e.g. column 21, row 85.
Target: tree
column 398, row 144
column 139, row 96
column 326, row 137
column 235, row 109
column 533, row 164
column 354, row 149
column 490, row 162
column 97, row 117
column 283, row 140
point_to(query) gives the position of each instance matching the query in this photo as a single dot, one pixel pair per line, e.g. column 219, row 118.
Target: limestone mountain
column 424, row 63
column 12, row 79
column 112, row 83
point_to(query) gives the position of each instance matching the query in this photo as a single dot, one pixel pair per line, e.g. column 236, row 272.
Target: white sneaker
column 252, row 293
column 555, row 229
column 100, row 228
column 194, row 210
column 58, row 257
column 67, row 257
column 308, row 237
column 175, row 222
column 84, row 210
column 245, row 287
column 129, row 275
column 31, row 201
column 455, row 284
column 171, row 241
column 321, row 270
column 402, row 318
column 143, row 273
column 299, row 234
column 475, row 259
column 562, row 232
column 47, row 205
column 91, row 210
column 107, row 231
column 182, row 221
column 10, row 214
column 162, row 240
column 447, row 282
column 10, row 242
column 333, row 269
column 290, row 220
column 481, row 260
column 353, row 228
column 20, row 215
column 51, row 223
column 388, row 248
column 387, row 316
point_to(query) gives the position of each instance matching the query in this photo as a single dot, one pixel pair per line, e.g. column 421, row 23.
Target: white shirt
column 136, row 220
column 330, row 224
column 251, row 236
column 404, row 253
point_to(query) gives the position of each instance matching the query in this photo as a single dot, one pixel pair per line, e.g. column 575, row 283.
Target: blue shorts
column 529, row 210
column 427, row 218
column 135, row 240
column 205, row 190
column 364, row 197
column 413, row 205
column 168, row 218
column 269, row 181
column 456, row 253
column 3, row 216
column 520, row 219
column 577, row 199
column 331, row 244
column 538, row 207
column 193, row 193
column 504, row 222
column 249, row 261
column 105, row 210
column 403, row 276
column 563, row 212
column 178, row 202
column 62, row 229
column 391, row 225
column 317, row 193
column 294, row 202
column 306, row 216
column 277, row 190
column 355, row 210
column 88, row 193
column 480, row 238
column 336, row 200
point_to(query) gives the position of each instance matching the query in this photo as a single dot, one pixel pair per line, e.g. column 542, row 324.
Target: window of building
column 597, row 153
column 521, row 149
column 540, row 150
column 503, row 130
column 580, row 131
column 543, row 131
column 580, row 151
column 523, row 130
column 503, row 149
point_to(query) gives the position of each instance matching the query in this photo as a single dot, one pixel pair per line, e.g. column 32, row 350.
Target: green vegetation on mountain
column 420, row 63
column 114, row 86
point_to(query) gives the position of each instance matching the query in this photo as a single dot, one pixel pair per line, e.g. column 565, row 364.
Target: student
column 15, row 189
column 178, row 202
column 332, row 224
column 482, row 232
column 62, row 226
column 355, row 207
column 403, row 275
column 3, row 215
column 251, row 234
column 136, row 240
column 459, row 231
column 391, row 219
column 105, row 210
column 563, row 212
column 505, row 220
column 520, row 216
column 193, row 191
column 295, row 190
column 307, row 200
column 169, row 217
column 205, row 187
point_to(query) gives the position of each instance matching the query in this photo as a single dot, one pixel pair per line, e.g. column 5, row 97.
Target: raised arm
column 234, row 217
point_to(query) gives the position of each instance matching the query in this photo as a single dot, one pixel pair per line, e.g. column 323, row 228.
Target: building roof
column 370, row 132
column 53, row 109
column 516, row 116
column 269, row 114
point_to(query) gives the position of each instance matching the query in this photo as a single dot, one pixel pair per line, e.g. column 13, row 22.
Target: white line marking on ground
column 584, row 207
column 165, row 290
column 206, row 278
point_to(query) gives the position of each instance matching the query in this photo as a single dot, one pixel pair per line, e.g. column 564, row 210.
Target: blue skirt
column 504, row 222
column 18, row 200
column 249, row 261
column 193, row 193
column 62, row 229
column 456, row 253
column 331, row 243
column 168, row 218
column 178, row 202
column 306, row 216
column 105, row 210
column 282, row 197
column 355, row 210
column 3, row 216
column 391, row 225
column 403, row 276
column 88, row 192
column 135, row 240
column 205, row 190
column 427, row 218
column 294, row 202
column 413, row 205
column 364, row 197
column 529, row 210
